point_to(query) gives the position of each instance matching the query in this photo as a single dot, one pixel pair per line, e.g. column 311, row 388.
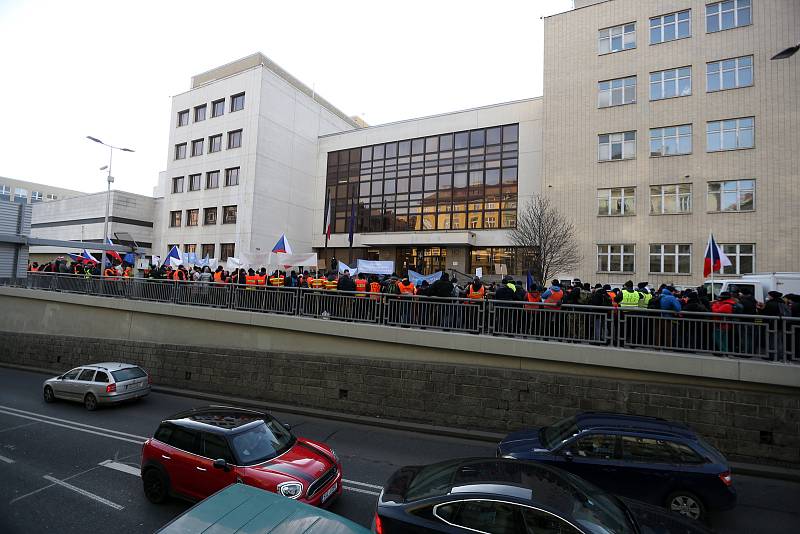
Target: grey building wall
column 15, row 219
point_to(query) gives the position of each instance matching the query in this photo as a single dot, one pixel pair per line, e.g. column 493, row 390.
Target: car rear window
column 130, row 373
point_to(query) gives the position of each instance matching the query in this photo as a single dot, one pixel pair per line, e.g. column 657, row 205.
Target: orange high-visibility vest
column 330, row 285
column 555, row 297
column 535, row 297
column 218, row 276
column 476, row 295
column 261, row 280
column 406, row 289
column 250, row 280
column 276, row 281
column 361, row 287
column 316, row 283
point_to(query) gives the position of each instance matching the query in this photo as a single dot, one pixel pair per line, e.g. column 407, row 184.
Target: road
column 68, row 470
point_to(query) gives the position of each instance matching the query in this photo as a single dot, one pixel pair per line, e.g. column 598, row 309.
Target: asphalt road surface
column 65, row 470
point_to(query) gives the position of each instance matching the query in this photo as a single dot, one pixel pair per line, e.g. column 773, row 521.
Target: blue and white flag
column 190, row 258
column 174, row 254
column 417, row 278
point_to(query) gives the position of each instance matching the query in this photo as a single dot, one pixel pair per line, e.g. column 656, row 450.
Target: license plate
column 330, row 492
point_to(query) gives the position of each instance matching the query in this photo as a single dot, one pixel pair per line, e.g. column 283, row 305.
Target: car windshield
column 550, row 436
column 432, row 480
column 262, row 442
column 131, row 373
column 596, row 511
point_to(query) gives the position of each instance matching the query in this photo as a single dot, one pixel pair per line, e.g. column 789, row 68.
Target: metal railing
column 735, row 336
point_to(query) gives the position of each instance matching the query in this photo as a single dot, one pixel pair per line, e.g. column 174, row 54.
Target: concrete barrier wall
column 751, row 410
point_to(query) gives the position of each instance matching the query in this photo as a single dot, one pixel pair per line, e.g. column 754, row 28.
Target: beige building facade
column 664, row 121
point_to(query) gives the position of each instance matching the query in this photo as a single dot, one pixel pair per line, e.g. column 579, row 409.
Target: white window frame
column 670, row 250
column 739, row 190
column 182, row 113
column 180, row 151
column 666, row 136
column 617, row 197
column 626, row 249
column 720, row 70
column 619, row 87
column 626, row 34
column 36, row 195
column 664, row 79
column 738, row 7
column 660, row 24
column 5, row 190
column 20, row 193
column 627, row 146
column 683, row 199
column 736, row 255
column 720, row 128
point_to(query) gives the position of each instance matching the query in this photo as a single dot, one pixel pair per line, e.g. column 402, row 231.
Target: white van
column 759, row 283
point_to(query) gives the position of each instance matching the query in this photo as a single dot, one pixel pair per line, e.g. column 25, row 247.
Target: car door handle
column 200, row 468
column 164, row 456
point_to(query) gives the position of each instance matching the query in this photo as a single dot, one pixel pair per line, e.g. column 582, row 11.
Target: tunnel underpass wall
column 394, row 378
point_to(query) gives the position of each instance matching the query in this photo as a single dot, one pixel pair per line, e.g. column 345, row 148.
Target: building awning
column 418, row 238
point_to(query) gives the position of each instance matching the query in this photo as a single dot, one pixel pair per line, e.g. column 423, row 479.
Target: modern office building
column 82, row 219
column 242, row 161
column 32, row 192
column 665, row 121
column 433, row 193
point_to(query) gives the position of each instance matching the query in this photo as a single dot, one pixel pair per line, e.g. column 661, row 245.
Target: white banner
column 174, row 262
column 254, row 261
column 375, row 267
column 344, row 267
column 233, row 263
column 282, row 259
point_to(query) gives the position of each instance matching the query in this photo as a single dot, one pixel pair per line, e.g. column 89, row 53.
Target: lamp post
column 787, row 53
column 109, row 180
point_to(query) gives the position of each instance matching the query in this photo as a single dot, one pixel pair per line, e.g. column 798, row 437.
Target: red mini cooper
column 196, row 453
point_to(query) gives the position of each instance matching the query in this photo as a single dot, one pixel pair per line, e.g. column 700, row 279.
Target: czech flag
column 87, row 256
column 282, row 245
column 113, row 253
column 173, row 253
column 715, row 259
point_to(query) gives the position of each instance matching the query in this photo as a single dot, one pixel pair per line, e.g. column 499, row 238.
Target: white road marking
column 74, row 426
column 6, row 460
column 359, row 490
column 84, row 492
column 361, row 484
column 125, row 468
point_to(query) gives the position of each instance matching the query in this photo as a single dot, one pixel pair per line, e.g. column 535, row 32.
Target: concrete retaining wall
column 426, row 377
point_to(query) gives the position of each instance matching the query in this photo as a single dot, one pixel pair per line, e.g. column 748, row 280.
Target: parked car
column 500, row 496
column 98, row 383
column 242, row 508
column 196, row 453
column 646, row 458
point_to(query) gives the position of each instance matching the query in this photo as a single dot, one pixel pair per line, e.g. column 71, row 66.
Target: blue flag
column 173, row 253
column 530, row 282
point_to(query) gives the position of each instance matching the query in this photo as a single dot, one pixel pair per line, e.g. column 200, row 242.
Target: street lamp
column 787, row 53
column 110, row 180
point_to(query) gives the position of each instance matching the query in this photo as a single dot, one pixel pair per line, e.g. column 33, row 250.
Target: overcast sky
column 108, row 68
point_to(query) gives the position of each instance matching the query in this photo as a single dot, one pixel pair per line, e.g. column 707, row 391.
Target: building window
column 670, row 27
column 668, row 199
column 488, row 258
column 215, row 143
column 192, row 216
column 615, row 258
column 194, row 182
column 237, row 102
column 728, row 14
column 614, row 146
column 187, row 247
column 183, row 118
column 451, row 181
column 5, row 192
column 742, row 256
column 180, row 151
column 226, row 250
column 207, row 250
column 169, row 247
column 671, row 141
column 732, row 195
column 174, row 219
column 36, row 196
column 729, row 73
column 200, row 113
column 617, row 201
column 210, row 215
column 218, row 107
column 20, row 194
column 670, row 259
column 197, row 147
column 671, row 83
column 177, row 184
column 730, row 134
column 232, row 176
column 616, row 39
column 212, row 179
column 50, row 196
column 228, row 214
column 616, row 92
column 235, row 139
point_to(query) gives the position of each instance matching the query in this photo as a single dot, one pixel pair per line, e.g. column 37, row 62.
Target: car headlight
column 293, row 490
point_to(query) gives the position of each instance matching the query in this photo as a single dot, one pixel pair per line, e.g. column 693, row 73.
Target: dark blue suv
column 645, row 458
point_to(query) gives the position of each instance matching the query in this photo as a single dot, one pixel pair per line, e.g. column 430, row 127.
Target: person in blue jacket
column 669, row 303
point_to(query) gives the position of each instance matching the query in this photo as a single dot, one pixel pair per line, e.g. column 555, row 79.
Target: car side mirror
column 61, row 377
column 287, row 426
column 220, row 463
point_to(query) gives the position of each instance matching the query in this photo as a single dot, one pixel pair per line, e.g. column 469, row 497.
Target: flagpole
column 711, row 251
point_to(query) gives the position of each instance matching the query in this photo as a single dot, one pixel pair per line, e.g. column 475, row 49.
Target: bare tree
column 546, row 239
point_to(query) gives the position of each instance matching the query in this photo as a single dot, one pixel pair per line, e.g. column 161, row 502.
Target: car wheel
column 90, row 402
column 686, row 504
column 49, row 396
column 155, row 486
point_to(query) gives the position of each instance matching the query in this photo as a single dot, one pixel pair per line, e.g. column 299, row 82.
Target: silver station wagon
column 98, row 383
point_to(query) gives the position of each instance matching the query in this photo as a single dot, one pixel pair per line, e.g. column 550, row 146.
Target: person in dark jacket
column 520, row 294
column 442, row 287
column 747, row 306
column 695, row 338
column 506, row 290
column 777, row 308
column 345, row 283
